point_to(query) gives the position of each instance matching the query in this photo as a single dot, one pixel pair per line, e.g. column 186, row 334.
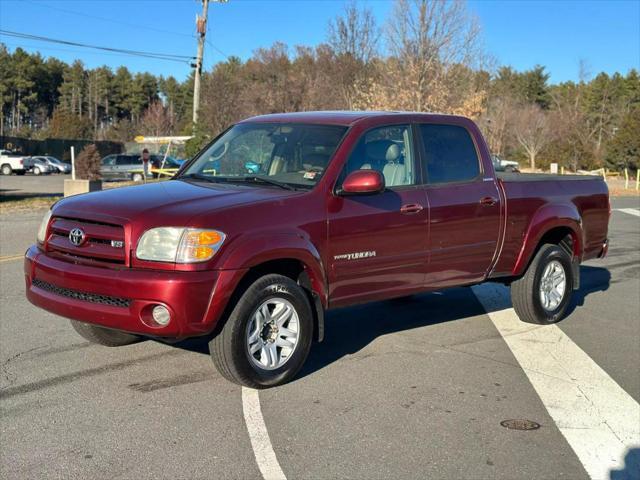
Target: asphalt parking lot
column 411, row 388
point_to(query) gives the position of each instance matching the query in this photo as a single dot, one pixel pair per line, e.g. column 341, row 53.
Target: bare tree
column 353, row 37
column 429, row 38
column 156, row 120
column 435, row 51
column 496, row 122
column 532, row 130
column 355, row 33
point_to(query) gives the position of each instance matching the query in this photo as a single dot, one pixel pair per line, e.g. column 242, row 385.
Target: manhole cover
column 520, row 424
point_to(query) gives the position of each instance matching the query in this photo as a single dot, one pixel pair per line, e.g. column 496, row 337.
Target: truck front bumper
column 123, row 299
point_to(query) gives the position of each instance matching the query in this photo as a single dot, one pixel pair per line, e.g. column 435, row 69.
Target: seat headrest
column 383, row 150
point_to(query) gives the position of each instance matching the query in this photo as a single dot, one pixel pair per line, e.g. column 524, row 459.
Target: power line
column 56, row 49
column 105, row 19
column 154, row 55
column 136, row 26
column 217, row 49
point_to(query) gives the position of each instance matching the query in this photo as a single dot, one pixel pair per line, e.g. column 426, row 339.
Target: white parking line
column 630, row 211
column 259, row 436
column 599, row 420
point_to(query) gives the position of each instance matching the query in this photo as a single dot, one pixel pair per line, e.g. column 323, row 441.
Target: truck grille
column 87, row 297
column 103, row 243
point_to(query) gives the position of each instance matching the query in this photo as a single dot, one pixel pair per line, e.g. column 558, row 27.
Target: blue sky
column 557, row 34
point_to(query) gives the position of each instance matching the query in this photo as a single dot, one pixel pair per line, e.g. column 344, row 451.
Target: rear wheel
column 36, row 171
column 267, row 337
column 6, row 169
column 103, row 336
column 137, row 177
column 543, row 294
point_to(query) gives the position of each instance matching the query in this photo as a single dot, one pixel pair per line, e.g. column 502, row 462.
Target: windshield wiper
column 199, row 176
column 256, row 179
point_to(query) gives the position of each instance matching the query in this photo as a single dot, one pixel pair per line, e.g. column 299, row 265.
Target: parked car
column 348, row 207
column 37, row 165
column 11, row 162
column 501, row 165
column 122, row 167
column 169, row 162
column 57, row 166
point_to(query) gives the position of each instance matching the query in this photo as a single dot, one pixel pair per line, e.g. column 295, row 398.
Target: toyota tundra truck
column 341, row 208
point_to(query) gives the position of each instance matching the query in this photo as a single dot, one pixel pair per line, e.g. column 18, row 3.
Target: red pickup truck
column 285, row 216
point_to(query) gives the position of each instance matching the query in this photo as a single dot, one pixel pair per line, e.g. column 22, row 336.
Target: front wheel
column 542, row 295
column 103, row 336
column 137, row 177
column 267, row 337
column 6, row 170
column 36, row 171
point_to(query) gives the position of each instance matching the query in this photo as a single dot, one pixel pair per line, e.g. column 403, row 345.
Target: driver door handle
column 411, row 208
column 488, row 201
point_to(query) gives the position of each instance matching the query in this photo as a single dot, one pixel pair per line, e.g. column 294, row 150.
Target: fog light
column 161, row 315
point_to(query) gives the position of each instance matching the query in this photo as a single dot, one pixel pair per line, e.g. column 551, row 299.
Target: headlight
column 42, row 230
column 179, row 245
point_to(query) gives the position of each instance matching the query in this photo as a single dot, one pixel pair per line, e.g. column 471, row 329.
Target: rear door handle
column 488, row 201
column 411, row 208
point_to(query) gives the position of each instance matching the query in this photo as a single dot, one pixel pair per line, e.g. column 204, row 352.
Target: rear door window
column 449, row 154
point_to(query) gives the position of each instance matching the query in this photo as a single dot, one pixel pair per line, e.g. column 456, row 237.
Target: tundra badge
column 355, row 255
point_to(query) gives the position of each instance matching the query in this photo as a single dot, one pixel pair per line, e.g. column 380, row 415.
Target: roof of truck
column 340, row 117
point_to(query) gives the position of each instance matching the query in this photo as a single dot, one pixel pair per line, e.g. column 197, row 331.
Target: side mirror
column 362, row 182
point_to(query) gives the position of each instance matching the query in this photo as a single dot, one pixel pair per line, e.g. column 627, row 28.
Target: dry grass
column 29, row 204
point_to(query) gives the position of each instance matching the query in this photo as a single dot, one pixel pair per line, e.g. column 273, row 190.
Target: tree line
column 427, row 56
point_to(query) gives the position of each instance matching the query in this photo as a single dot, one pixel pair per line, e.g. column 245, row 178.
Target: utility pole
column 201, row 27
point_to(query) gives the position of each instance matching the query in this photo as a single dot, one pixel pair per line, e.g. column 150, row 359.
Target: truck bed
column 527, row 194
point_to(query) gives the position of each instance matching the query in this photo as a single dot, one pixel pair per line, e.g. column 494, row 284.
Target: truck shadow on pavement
column 592, row 280
column 349, row 330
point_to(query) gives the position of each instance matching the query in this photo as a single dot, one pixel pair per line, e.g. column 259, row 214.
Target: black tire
column 525, row 292
column 103, row 336
column 6, row 169
column 509, row 169
column 229, row 350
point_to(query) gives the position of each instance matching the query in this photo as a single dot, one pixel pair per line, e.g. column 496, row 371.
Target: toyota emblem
column 76, row 236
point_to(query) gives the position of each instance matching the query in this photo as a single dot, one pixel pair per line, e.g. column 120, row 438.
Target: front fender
column 251, row 250
column 546, row 218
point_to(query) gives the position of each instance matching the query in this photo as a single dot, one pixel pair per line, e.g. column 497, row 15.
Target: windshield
column 54, row 160
column 291, row 154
